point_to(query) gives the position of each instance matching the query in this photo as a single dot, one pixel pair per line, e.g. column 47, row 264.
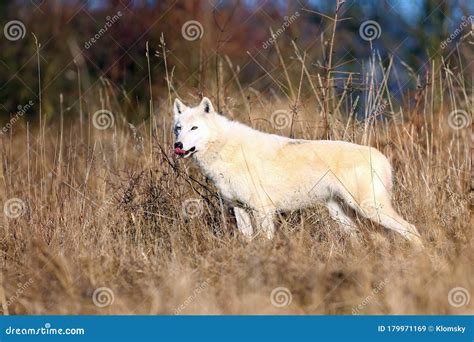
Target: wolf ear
column 178, row 107
column 206, row 105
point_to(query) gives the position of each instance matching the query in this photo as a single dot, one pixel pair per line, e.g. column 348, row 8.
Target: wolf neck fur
column 227, row 136
column 231, row 141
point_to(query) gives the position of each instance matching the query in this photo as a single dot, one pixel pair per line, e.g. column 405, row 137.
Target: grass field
column 101, row 218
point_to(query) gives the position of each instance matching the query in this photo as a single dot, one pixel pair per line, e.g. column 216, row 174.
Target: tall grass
column 114, row 208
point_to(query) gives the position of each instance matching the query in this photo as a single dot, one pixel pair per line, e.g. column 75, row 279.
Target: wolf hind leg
column 390, row 219
column 377, row 207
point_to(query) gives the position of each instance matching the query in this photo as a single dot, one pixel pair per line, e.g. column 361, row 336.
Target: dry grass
column 107, row 209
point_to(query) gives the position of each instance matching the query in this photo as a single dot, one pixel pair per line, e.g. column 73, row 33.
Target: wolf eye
column 177, row 129
column 193, row 128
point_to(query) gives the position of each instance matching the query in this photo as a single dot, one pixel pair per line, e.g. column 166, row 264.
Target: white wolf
column 267, row 173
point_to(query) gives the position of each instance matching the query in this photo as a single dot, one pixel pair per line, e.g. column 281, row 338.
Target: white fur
column 270, row 173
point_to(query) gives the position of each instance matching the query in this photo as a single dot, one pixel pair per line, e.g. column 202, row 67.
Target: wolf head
column 192, row 127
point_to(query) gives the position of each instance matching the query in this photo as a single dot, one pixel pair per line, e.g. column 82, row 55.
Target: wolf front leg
column 265, row 221
column 244, row 223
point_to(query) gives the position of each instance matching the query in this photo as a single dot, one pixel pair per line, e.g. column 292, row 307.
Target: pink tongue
column 179, row 151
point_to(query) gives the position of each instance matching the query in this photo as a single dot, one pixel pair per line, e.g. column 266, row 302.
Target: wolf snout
column 180, row 151
column 178, row 148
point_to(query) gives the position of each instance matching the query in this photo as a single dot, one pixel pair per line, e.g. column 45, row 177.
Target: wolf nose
column 178, row 145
